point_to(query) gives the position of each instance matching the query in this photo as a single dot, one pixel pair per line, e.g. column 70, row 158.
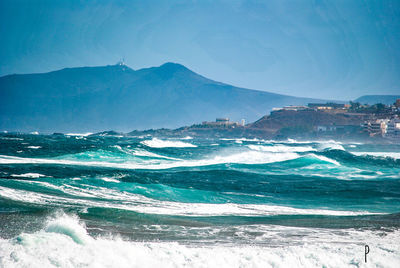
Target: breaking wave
column 157, row 143
column 142, row 204
column 346, row 248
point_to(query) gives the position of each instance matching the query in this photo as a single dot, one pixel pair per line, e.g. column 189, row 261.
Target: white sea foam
column 157, row 143
column 227, row 209
column 241, row 140
column 331, row 146
column 281, row 148
column 34, row 147
column 110, row 179
column 140, row 152
column 69, row 226
column 326, row 144
column 79, row 134
column 240, row 157
column 395, row 155
column 64, row 242
column 142, row 204
column 10, row 138
column 248, row 157
column 326, row 159
column 28, row 175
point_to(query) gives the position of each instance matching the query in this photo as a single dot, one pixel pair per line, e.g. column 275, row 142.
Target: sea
column 80, row 200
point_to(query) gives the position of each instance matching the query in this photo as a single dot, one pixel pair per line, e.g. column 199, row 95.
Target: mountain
column 373, row 99
column 119, row 98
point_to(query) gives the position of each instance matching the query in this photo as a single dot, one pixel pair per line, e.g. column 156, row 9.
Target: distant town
column 380, row 120
column 316, row 120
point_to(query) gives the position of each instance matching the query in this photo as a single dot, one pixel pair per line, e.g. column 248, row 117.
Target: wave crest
column 157, row 143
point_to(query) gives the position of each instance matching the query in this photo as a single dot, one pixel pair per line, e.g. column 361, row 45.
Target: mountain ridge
column 120, row 98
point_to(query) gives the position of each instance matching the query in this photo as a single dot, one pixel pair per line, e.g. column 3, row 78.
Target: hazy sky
column 327, row 49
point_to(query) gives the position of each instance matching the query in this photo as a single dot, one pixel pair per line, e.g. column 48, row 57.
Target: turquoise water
column 144, row 201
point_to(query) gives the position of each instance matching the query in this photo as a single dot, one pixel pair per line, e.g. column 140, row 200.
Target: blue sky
column 327, row 49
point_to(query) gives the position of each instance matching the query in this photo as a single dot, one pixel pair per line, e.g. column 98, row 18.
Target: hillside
column 119, row 98
column 373, row 99
column 305, row 120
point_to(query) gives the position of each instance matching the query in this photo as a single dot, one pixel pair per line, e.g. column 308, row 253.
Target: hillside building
column 393, row 129
column 397, row 103
column 222, row 122
column 376, row 127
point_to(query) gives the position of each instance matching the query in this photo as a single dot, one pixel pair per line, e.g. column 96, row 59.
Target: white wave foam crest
column 331, row 146
column 241, row 157
column 241, row 140
column 110, row 179
column 326, row 159
column 69, row 226
column 249, row 157
column 281, row 148
column 28, row 175
column 203, row 209
column 34, row 147
column 79, row 134
column 157, row 143
column 65, row 243
column 142, row 204
column 394, row 155
column 139, row 152
column 322, row 142
column 13, row 139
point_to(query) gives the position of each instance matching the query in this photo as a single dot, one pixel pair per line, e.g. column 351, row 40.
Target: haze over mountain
column 120, row 98
column 320, row 49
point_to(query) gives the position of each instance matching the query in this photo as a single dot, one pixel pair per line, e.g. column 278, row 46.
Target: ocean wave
column 325, row 159
column 142, row 204
column 28, row 175
column 34, row 147
column 157, row 143
column 247, row 157
column 11, row 138
column 239, row 140
column 79, row 134
column 281, row 148
column 331, row 146
column 394, row 155
column 313, row 141
column 43, row 249
column 236, row 157
column 141, row 152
